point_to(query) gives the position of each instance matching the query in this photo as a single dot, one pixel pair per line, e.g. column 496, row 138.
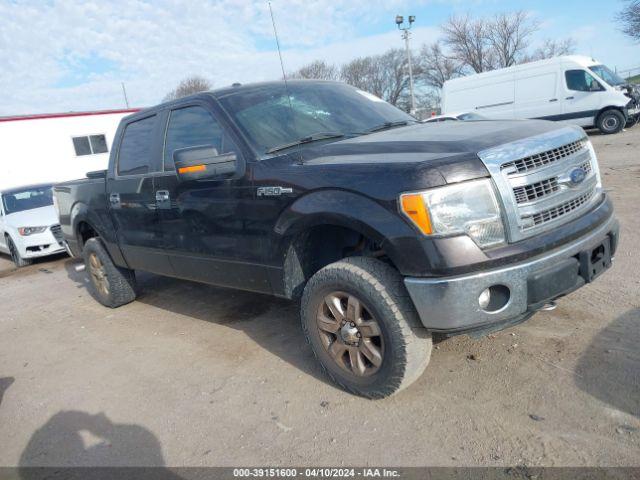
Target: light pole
column 405, row 35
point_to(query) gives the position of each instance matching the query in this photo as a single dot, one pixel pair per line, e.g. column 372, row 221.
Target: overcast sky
column 72, row 55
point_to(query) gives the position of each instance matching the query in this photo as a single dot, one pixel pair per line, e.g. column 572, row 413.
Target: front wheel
column 611, row 121
column 363, row 327
column 111, row 285
column 18, row 260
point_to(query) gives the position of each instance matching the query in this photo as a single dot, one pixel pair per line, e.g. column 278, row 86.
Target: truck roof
column 232, row 90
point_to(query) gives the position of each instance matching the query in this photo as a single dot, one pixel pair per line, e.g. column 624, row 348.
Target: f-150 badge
column 273, row 191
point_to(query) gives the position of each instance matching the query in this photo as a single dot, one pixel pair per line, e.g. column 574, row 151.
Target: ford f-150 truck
column 385, row 229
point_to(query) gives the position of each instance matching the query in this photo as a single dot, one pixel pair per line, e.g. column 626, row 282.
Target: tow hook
column 547, row 307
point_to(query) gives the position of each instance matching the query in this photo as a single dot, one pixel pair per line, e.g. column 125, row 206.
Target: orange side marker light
column 413, row 207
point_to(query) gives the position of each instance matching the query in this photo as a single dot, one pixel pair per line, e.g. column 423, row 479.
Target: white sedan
column 464, row 117
column 29, row 226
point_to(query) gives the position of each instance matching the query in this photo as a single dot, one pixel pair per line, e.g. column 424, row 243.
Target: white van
column 570, row 89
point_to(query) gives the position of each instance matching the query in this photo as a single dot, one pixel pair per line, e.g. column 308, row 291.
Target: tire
column 611, row 121
column 403, row 344
column 15, row 255
column 120, row 286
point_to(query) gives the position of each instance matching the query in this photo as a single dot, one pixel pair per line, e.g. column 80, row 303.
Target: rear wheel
column 15, row 255
column 611, row 121
column 363, row 327
column 109, row 284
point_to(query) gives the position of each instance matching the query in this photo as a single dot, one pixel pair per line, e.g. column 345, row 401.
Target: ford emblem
column 577, row 175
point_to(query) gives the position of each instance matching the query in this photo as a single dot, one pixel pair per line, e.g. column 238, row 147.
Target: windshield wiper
column 388, row 125
column 308, row 139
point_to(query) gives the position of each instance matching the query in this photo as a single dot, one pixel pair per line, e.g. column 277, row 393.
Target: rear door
column 210, row 225
column 131, row 194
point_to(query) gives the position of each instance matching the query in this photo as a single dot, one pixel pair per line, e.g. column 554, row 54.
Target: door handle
column 114, row 199
column 569, row 98
column 553, row 100
column 162, row 196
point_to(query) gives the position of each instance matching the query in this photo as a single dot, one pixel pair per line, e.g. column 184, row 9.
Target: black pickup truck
column 385, row 229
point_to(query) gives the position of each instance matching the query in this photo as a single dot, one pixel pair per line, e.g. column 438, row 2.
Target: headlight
column 464, row 208
column 26, row 231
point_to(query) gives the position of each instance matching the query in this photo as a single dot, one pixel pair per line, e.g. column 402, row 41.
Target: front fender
column 346, row 209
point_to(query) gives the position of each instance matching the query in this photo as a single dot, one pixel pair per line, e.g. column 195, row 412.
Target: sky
column 60, row 56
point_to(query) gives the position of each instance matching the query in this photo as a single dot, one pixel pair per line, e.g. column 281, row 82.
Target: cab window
column 191, row 127
column 581, row 81
column 134, row 156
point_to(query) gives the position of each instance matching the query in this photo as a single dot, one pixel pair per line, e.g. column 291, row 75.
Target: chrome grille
column 535, row 182
column 529, row 193
column 537, row 190
column 558, row 211
column 538, row 160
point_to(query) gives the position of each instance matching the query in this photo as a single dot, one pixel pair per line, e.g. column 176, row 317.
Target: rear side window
column 191, row 127
column 134, row 157
column 581, row 81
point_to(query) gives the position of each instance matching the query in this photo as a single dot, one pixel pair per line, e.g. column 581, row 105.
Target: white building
column 55, row 147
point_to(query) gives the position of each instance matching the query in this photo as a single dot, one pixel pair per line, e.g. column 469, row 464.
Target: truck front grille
column 539, row 160
column 542, row 188
column 558, row 211
column 536, row 180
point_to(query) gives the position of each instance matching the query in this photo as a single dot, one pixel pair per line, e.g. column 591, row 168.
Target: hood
column 37, row 217
column 449, row 147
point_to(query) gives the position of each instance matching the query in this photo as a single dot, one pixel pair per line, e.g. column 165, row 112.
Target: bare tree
column 318, row 70
column 434, row 67
column 188, row 86
column 508, row 36
column 467, row 40
column 487, row 43
column 551, row 48
column 385, row 76
column 629, row 19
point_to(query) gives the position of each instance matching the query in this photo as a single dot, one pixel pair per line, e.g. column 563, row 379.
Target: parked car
column 29, row 225
column 463, row 117
column 571, row 89
column 387, row 230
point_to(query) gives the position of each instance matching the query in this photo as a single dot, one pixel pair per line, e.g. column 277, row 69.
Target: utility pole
column 406, row 34
column 124, row 92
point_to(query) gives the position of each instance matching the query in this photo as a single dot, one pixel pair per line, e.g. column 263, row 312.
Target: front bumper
column 39, row 245
column 450, row 304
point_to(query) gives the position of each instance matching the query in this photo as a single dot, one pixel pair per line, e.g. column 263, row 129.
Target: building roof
column 40, row 116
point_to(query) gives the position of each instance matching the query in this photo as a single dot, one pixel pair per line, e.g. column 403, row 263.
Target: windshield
column 607, row 75
column 268, row 121
column 28, row 199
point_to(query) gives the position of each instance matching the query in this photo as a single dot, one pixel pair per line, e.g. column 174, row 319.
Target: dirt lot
column 191, row 375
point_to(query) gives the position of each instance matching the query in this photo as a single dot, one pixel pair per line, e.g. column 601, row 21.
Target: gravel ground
column 192, row 375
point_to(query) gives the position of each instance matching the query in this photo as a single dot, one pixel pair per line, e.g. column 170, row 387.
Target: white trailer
column 52, row 148
column 570, row 89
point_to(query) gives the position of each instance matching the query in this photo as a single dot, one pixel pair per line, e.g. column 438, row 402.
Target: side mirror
column 204, row 161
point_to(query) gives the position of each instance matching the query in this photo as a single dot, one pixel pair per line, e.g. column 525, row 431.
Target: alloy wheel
column 98, row 274
column 350, row 334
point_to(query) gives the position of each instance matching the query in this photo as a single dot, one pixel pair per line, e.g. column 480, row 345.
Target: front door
column 582, row 97
column 208, row 225
column 131, row 196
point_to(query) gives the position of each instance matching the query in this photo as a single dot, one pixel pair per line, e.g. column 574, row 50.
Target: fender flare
column 344, row 209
